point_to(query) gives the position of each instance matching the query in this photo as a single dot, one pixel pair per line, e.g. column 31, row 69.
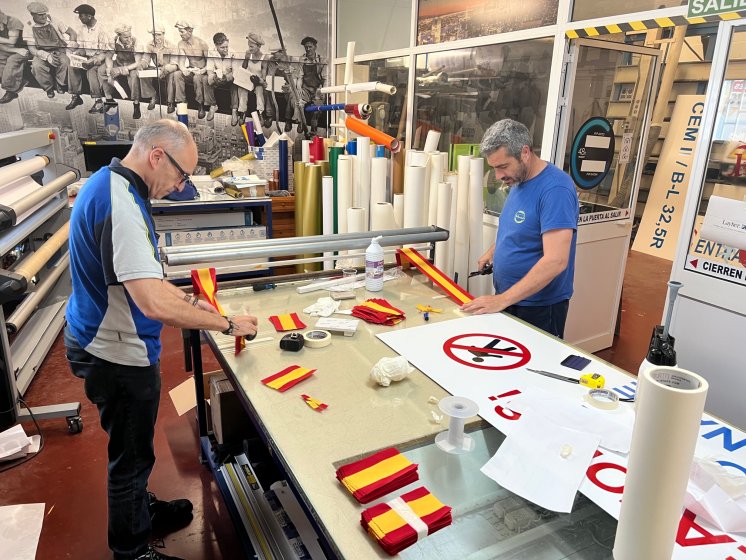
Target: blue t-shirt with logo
column 544, row 203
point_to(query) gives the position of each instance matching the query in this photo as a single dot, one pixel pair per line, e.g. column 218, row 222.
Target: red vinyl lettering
column 593, row 471
column 687, row 523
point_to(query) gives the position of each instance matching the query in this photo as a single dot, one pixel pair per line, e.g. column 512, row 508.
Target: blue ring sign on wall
column 592, row 153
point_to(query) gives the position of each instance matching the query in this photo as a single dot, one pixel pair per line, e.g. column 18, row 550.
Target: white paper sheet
column 530, row 462
column 724, row 507
column 21, row 528
column 14, row 443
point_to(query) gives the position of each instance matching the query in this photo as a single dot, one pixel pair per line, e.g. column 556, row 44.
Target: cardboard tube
column 397, row 172
column 443, row 221
column 363, row 129
column 23, row 168
column 34, row 263
column 669, row 412
column 378, row 171
column 344, row 191
column 350, row 63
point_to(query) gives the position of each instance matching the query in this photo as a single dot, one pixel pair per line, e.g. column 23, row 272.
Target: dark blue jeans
column 549, row 318
column 127, row 398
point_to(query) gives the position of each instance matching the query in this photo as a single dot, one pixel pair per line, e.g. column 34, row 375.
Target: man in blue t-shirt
column 533, row 257
column 118, row 306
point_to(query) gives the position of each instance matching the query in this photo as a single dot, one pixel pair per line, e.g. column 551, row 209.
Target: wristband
column 231, row 327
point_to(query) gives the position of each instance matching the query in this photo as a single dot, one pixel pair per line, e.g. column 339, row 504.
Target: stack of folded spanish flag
column 378, row 311
column 377, row 475
column 287, row 322
column 400, row 523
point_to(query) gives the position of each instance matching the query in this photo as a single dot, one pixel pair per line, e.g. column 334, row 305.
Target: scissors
column 486, row 269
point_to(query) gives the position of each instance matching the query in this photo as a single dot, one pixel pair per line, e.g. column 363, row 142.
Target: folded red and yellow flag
column 401, row 522
column 377, row 475
column 204, row 283
column 287, row 322
column 378, row 311
column 291, row 375
column 454, row 291
column 317, row 405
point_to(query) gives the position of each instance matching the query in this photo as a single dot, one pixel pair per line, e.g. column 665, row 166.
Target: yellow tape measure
column 592, row 380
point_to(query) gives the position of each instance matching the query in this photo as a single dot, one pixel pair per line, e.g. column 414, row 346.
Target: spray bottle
column 661, row 351
column 374, row 266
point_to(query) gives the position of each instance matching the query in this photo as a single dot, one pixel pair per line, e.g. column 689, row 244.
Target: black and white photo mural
column 79, row 66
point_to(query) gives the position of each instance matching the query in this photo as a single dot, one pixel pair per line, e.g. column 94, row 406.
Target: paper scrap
column 183, row 396
column 718, row 495
column 21, row 525
column 14, row 443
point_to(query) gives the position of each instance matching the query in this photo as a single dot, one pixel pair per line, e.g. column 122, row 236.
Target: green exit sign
column 699, row 8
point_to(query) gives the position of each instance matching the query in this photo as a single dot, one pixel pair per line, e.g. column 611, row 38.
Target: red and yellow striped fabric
column 377, row 475
column 317, row 405
column 204, row 284
column 287, row 322
column 454, row 291
column 291, row 375
column 378, row 311
column 395, row 533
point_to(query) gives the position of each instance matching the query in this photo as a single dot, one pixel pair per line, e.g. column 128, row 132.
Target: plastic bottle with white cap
column 374, row 266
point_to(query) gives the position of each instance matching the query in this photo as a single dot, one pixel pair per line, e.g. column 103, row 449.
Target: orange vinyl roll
column 381, row 138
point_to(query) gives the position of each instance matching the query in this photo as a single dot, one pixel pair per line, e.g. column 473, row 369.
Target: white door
column 600, row 142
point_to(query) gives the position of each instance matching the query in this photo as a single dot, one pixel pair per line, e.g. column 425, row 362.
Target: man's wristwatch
column 231, row 326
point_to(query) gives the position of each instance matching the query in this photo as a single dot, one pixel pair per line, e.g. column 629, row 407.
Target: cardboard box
column 229, row 420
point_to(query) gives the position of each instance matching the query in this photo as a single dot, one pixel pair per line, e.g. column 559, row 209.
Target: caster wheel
column 74, row 424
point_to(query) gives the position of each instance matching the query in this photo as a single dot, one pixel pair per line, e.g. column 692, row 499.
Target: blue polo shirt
column 546, row 202
column 112, row 240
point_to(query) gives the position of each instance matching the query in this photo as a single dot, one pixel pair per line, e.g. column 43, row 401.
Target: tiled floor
column 70, row 473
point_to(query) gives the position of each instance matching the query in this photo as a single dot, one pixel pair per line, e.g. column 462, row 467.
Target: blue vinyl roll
column 183, row 119
column 335, row 107
column 283, row 145
column 380, row 151
column 352, row 147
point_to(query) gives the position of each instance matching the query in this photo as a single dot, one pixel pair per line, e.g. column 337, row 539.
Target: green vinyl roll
column 334, row 153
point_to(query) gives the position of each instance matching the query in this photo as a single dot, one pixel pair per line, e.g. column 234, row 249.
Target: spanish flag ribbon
column 377, row 475
column 204, row 284
column 287, row 322
column 317, row 405
column 378, row 311
column 291, row 375
column 454, row 291
column 400, row 523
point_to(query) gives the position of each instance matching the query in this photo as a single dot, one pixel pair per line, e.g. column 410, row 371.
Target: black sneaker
column 98, row 107
column 167, row 517
column 74, row 102
column 50, row 93
column 136, row 111
column 153, row 554
column 288, row 126
column 8, row 97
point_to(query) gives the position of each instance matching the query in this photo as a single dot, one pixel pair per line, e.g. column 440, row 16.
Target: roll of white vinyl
column 344, row 191
column 399, row 210
column 363, row 155
column 24, row 168
column 305, row 151
column 350, row 63
column 317, row 338
column 356, row 196
column 418, row 158
column 443, row 221
column 436, row 177
column 432, row 140
column 327, row 213
column 461, row 256
column 478, row 284
column 414, row 185
column 356, row 222
column 382, row 217
column 379, row 167
column 452, row 179
column 664, row 437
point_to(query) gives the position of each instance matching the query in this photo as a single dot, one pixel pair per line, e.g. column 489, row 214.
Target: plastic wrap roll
column 34, row 263
column 305, row 151
column 344, row 191
column 31, row 195
column 436, row 177
column 350, row 63
column 327, row 203
column 364, row 129
column 379, row 167
column 431, row 141
column 363, row 155
column 414, row 185
column 476, row 218
column 664, row 437
column 443, row 220
column 461, row 257
column 452, row 179
column 399, row 210
column 24, row 168
column 283, row 150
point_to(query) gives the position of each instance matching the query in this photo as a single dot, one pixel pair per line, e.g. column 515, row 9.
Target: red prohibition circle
column 518, row 353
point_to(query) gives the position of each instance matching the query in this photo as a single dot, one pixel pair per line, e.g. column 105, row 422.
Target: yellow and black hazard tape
column 647, row 24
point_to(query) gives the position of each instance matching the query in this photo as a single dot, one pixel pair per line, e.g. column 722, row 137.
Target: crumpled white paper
column 390, row 369
column 717, row 494
column 324, row 307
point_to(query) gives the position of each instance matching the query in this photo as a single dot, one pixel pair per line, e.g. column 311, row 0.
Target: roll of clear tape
column 454, row 440
column 664, row 437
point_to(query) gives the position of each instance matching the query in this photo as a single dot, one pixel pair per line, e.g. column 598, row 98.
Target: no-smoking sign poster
column 486, row 351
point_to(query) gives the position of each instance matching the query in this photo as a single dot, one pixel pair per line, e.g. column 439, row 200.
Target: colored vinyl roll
column 359, row 110
column 250, row 133
column 363, row 129
column 283, row 149
column 334, row 153
column 311, row 209
column 317, row 339
column 182, row 113
column 319, row 108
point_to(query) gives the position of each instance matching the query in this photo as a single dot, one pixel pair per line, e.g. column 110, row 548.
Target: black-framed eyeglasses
column 184, row 174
